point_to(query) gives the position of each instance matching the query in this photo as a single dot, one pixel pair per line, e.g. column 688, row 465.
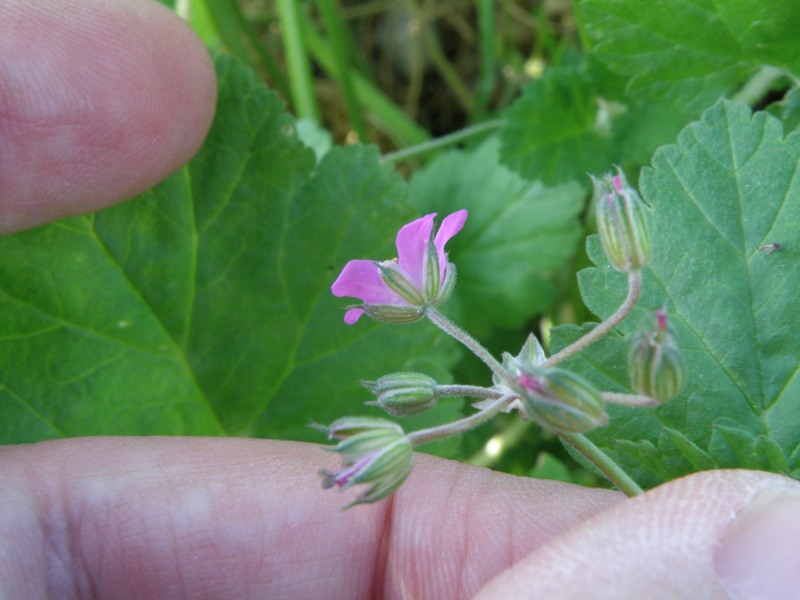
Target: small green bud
column 403, row 394
column 373, row 451
column 622, row 223
column 655, row 365
column 561, row 401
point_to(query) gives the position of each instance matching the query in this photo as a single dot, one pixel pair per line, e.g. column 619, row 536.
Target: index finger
column 99, row 100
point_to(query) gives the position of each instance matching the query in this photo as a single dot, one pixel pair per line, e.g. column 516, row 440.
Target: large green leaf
column 729, row 187
column 203, row 306
column 693, row 51
column 519, row 234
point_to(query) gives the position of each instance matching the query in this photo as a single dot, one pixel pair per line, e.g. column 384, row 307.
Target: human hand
column 99, row 100
column 233, row 518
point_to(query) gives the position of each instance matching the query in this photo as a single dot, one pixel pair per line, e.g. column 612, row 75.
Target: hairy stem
column 470, row 342
column 603, row 462
column 634, row 291
column 470, row 391
column 423, row 436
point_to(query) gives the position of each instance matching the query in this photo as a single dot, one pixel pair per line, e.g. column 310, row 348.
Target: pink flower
column 399, row 290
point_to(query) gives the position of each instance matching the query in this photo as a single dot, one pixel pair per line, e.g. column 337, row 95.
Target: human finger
column 99, row 100
column 234, row 518
column 715, row 535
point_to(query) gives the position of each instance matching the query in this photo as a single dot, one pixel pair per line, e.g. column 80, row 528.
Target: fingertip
column 99, row 100
column 660, row 545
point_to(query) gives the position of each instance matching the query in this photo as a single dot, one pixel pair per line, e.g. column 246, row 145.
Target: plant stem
column 470, row 391
column 390, row 118
column 423, row 436
column 441, row 142
column 330, row 12
column 449, row 74
column 603, row 462
column 758, row 86
column 634, row 291
column 470, row 342
column 486, row 50
column 297, row 61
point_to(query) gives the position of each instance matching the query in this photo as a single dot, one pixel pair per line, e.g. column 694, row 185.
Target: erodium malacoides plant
column 378, row 453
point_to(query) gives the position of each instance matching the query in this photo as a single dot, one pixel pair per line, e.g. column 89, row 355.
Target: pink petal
column 412, row 245
column 362, row 279
column 353, row 315
column 450, row 226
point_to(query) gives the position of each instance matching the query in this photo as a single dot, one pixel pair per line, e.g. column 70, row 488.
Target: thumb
column 712, row 535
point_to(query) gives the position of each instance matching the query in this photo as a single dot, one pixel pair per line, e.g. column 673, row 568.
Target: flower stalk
column 470, row 342
column 634, row 291
column 424, row 436
column 612, row 471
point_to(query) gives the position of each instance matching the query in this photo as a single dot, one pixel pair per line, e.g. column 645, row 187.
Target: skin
column 99, row 100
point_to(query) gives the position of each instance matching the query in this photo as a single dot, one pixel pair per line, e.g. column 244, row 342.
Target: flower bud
column 654, row 361
column 403, row 394
column 622, row 223
column 373, row 451
column 561, row 400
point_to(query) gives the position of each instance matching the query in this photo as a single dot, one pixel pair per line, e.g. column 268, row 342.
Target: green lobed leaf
column 204, row 305
column 555, row 131
column 579, row 119
column 518, row 235
column 692, row 51
column 728, row 187
column 788, row 110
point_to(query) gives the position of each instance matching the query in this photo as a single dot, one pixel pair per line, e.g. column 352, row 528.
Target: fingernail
column 758, row 557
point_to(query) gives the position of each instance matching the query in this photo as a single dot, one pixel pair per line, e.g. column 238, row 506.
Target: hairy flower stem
column 634, row 290
column 470, row 342
column 603, row 462
column 470, row 391
column 423, row 436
